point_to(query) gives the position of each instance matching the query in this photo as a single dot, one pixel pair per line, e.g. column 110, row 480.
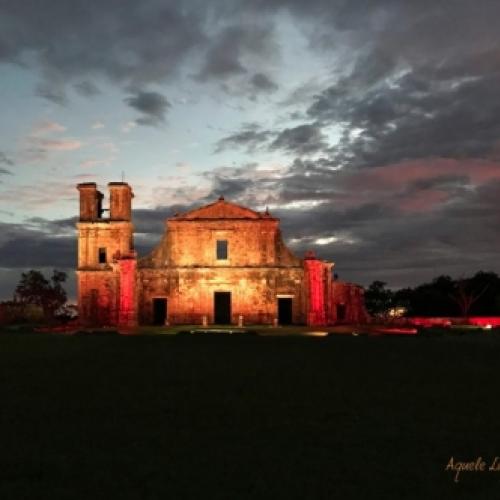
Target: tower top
column 120, row 201
column 122, row 183
column 90, row 201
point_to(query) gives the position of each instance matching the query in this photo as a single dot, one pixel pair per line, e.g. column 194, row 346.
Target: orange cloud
column 47, row 127
column 60, row 144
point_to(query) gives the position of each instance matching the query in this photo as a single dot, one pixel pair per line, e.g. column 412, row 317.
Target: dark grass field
column 172, row 417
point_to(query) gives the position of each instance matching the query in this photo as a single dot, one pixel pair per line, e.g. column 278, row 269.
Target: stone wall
column 115, row 237
column 190, row 293
column 98, row 297
column 348, row 303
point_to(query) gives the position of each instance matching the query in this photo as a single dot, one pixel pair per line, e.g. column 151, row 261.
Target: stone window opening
column 102, row 255
column 221, row 250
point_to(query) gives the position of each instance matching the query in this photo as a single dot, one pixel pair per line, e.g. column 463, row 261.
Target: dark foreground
column 247, row 417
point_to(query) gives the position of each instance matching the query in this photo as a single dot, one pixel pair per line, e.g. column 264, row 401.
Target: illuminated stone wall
column 185, row 270
column 127, row 313
column 190, row 293
column 115, row 237
column 98, row 297
column 317, row 284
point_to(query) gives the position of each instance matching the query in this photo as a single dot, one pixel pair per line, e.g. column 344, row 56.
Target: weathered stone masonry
column 221, row 263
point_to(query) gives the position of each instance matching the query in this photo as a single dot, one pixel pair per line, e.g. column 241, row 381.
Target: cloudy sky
column 371, row 128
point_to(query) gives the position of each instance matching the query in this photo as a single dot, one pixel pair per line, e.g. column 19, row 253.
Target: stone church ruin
column 218, row 264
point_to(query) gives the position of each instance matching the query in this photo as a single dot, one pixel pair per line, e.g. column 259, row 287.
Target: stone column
column 127, row 315
column 314, row 277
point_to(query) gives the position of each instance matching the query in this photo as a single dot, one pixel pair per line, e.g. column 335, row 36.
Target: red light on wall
column 127, row 312
column 316, row 299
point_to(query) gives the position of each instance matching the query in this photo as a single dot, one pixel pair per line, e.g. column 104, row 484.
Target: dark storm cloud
column 231, row 183
column 412, row 28
column 411, row 80
column 139, row 43
column 415, row 116
column 151, row 222
column 411, row 83
column 24, row 246
column 250, row 184
column 58, row 227
column 86, row 88
column 376, row 241
column 228, row 188
column 152, row 105
column 302, row 140
column 133, row 44
column 129, row 42
column 225, row 56
column 53, row 92
column 446, row 182
column 262, row 82
column 251, row 137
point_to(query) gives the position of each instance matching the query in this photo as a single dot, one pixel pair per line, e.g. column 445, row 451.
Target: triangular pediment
column 220, row 209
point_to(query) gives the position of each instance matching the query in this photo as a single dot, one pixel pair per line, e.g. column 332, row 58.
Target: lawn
column 236, row 417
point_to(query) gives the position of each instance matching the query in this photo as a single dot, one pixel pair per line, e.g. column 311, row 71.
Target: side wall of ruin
column 348, row 303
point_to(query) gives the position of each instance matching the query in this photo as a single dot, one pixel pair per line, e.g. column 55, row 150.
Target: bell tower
column 105, row 252
column 120, row 201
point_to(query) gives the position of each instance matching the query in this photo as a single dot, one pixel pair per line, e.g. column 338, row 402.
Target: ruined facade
column 218, row 264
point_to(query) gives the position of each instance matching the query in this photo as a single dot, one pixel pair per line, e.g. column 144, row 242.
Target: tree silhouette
column 378, row 299
column 445, row 296
column 465, row 296
column 35, row 289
